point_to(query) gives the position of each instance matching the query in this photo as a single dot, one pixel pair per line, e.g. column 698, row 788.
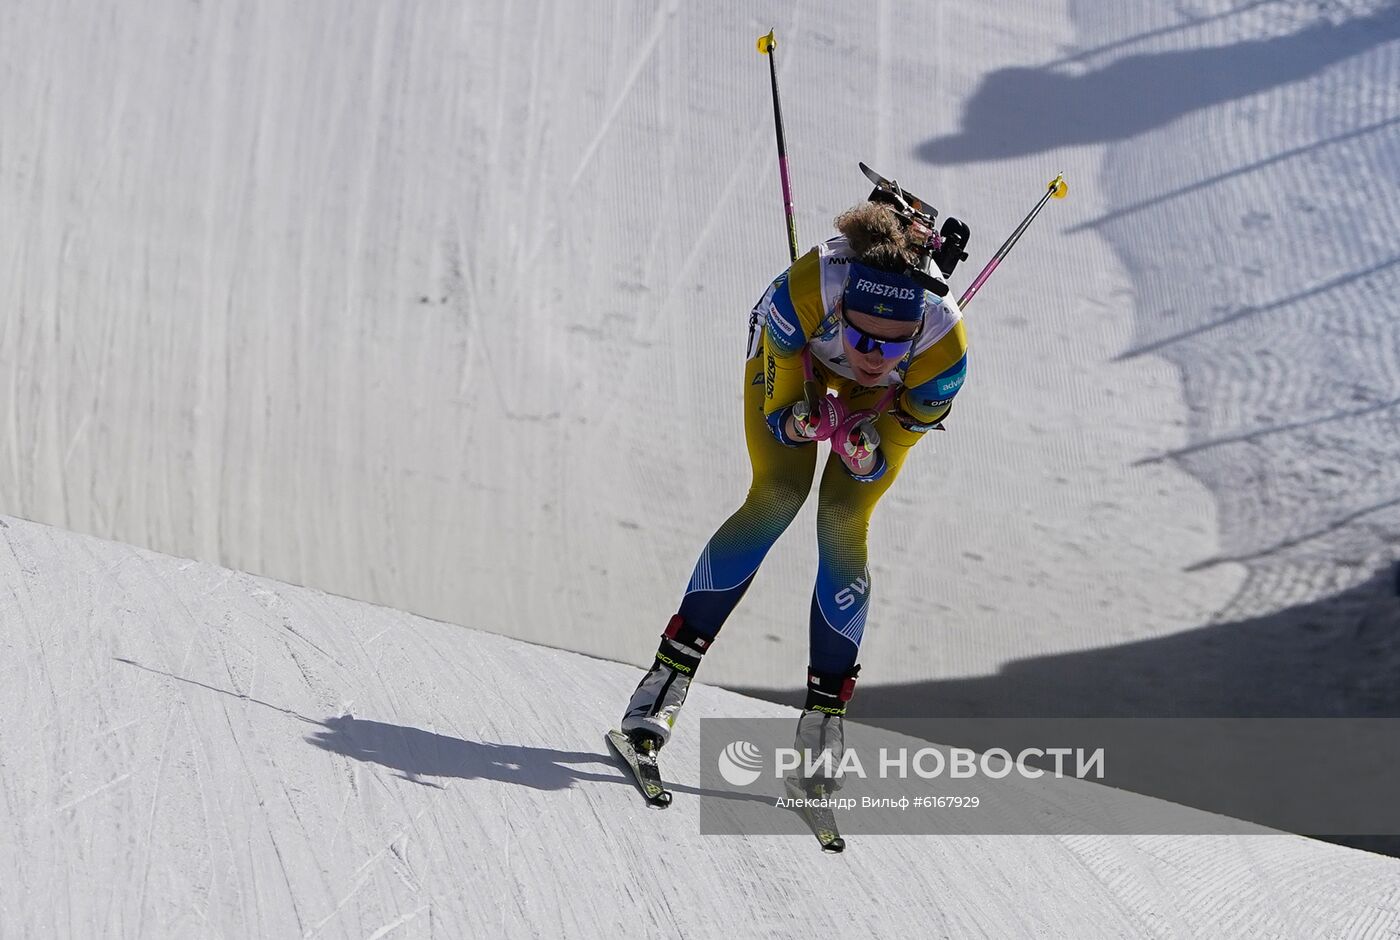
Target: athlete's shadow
column 417, row 754
column 1023, row 110
column 420, row 755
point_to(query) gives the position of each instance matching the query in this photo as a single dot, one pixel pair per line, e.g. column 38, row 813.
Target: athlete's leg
column 782, row 477
column 841, row 598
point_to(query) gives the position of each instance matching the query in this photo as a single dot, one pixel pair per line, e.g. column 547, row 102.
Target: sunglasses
column 863, row 342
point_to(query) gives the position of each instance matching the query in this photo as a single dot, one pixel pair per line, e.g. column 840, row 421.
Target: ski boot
column 821, row 740
column 659, row 696
column 821, row 733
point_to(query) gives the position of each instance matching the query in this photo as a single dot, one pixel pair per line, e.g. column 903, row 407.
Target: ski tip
column 834, row 845
column 766, row 43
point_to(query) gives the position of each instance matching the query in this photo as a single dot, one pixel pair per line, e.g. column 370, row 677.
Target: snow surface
column 1262, row 245
column 441, row 306
column 194, row 751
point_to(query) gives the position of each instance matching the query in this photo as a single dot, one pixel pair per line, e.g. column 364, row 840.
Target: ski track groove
column 715, row 216
column 1302, row 538
column 340, row 816
column 360, row 876
column 1180, row 191
column 396, row 923
column 1121, row 847
column 665, row 12
column 151, row 820
column 1190, row 22
column 63, row 807
column 742, row 172
column 178, row 696
column 1257, row 433
column 881, row 72
column 201, row 759
column 270, row 831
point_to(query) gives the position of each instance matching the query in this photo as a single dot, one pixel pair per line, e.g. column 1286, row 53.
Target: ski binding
column 643, row 765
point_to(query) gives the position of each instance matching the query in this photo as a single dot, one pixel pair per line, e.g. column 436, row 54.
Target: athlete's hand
column 856, row 442
column 819, row 424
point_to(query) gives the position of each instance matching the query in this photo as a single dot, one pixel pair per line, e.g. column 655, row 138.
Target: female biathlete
column 847, row 316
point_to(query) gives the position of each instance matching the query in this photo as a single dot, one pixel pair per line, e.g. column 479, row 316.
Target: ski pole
column 1057, row 188
column 766, row 45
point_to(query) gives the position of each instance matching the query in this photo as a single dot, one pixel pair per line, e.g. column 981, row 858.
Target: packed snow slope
column 193, row 751
column 1253, row 196
column 443, row 306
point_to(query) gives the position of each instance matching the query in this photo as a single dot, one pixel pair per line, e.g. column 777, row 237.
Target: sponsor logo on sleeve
column 948, row 386
column 775, row 316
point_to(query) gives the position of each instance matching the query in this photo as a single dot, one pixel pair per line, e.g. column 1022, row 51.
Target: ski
column 820, row 818
column 643, row 766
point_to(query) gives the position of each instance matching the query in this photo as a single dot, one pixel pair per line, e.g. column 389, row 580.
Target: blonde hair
column 878, row 236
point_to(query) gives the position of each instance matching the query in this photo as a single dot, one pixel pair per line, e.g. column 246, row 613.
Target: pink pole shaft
column 977, row 284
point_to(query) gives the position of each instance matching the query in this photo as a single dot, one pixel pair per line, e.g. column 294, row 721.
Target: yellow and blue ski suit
column 799, row 316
